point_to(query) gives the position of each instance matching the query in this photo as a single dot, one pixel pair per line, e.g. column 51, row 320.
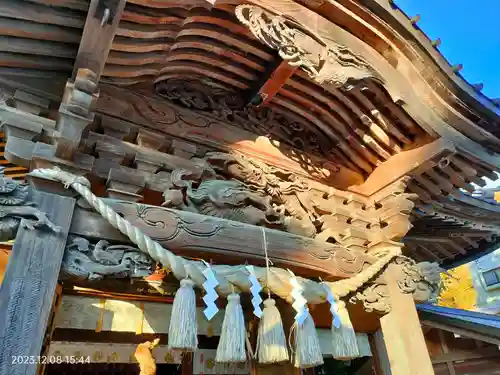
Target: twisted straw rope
column 229, row 277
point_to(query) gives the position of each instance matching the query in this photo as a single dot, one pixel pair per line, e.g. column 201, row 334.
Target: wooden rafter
column 277, row 79
column 462, row 332
column 407, row 163
column 465, row 355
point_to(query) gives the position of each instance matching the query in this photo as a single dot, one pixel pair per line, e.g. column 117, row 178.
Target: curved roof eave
column 426, row 44
column 394, row 23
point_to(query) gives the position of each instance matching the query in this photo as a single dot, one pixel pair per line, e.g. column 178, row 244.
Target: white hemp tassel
column 307, row 348
column 231, row 348
column 345, row 345
column 271, row 340
column 183, row 330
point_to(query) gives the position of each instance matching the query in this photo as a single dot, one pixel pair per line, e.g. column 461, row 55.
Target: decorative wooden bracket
column 407, row 163
column 75, row 112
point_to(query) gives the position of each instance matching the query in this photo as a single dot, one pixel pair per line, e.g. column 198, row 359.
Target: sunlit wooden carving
column 327, row 63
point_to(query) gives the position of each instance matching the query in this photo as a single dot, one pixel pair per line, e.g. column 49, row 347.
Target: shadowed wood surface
column 99, row 30
column 28, row 290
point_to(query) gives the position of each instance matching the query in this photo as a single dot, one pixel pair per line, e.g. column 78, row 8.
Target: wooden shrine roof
column 197, row 54
column 485, row 325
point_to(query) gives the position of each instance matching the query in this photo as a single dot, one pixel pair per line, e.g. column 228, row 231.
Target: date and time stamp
column 48, row 360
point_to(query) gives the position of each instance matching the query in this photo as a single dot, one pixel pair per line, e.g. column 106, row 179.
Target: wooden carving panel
column 161, row 115
column 225, row 241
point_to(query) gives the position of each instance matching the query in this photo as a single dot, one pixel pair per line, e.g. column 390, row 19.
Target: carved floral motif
column 422, row 280
column 329, row 63
column 229, row 106
column 83, row 260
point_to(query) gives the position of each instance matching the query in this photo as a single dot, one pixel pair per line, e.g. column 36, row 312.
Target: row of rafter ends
column 447, row 178
column 478, row 219
column 444, row 250
column 413, row 20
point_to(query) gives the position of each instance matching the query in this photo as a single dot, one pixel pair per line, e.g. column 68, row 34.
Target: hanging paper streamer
column 334, row 308
column 255, row 290
column 211, row 295
column 299, row 302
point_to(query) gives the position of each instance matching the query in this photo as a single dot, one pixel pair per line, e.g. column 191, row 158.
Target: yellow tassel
column 271, row 340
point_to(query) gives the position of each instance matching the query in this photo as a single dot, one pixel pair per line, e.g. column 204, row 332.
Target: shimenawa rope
column 228, row 276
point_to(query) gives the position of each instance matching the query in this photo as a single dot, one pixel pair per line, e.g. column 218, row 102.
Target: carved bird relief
column 15, row 206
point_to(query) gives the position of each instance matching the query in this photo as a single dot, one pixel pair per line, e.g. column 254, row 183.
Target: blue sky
column 470, row 35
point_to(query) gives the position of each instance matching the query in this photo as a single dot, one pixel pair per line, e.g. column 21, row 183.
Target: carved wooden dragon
column 85, row 261
column 15, row 205
column 422, row 280
column 250, row 196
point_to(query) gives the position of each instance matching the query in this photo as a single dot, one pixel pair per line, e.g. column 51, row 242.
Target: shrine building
column 236, row 187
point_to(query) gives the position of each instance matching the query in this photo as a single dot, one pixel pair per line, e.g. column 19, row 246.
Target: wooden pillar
column 187, row 364
column 100, row 27
column 402, row 332
column 381, row 365
column 28, row 290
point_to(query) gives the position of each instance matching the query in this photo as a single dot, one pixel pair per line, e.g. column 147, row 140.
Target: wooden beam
column 465, row 355
column 403, row 337
column 407, row 163
column 187, row 364
column 224, row 241
column 444, row 347
column 28, row 289
column 462, row 332
column 277, row 79
column 381, row 365
column 98, row 33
